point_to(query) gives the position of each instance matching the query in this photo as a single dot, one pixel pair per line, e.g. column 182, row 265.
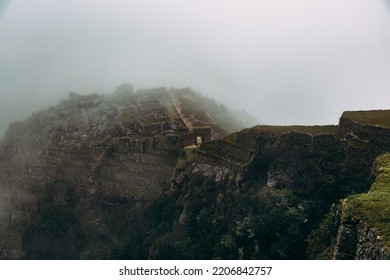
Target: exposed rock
column 363, row 231
column 123, row 92
column 357, row 241
column 98, row 149
column 87, row 164
column 364, row 132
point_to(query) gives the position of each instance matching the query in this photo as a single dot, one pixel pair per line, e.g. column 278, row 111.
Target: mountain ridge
column 168, row 174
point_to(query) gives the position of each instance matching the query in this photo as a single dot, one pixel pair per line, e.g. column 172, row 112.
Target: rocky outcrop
column 357, row 241
column 155, row 173
column 98, row 150
column 369, row 130
column 363, row 231
column 311, row 161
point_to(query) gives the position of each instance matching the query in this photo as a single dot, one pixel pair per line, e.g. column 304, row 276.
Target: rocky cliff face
column 265, row 189
column 285, row 179
column 98, row 151
column 356, row 240
column 159, row 174
column 364, row 227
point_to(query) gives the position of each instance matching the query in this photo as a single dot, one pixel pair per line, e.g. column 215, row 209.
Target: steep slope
column 264, row 192
column 93, row 153
column 169, row 174
column 364, row 231
column 356, row 228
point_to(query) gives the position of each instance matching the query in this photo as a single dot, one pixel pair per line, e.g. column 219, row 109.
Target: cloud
column 302, row 61
column 3, row 4
column 387, row 2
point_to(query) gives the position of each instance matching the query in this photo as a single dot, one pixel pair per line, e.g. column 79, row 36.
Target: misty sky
column 282, row 61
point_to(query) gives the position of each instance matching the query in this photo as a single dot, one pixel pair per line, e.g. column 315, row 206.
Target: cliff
column 267, row 191
column 364, row 232
column 95, row 151
column 361, row 231
column 169, row 174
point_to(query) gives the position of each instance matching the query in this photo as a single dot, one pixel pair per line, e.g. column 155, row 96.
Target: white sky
column 282, row 61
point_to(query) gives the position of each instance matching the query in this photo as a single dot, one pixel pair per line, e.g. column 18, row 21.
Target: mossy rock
column 374, row 117
column 374, row 206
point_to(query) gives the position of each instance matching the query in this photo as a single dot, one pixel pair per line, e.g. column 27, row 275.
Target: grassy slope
column 374, row 207
column 374, row 117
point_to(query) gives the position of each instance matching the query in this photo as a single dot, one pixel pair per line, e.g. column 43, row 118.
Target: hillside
column 169, row 174
column 374, row 117
column 365, row 228
column 91, row 154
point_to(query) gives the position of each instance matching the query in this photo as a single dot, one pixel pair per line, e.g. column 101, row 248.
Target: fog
column 282, row 61
column 4, row 204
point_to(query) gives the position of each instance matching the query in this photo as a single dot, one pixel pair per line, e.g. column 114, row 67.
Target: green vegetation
column 258, row 222
column 198, row 217
column 283, row 204
column 55, row 226
column 322, row 240
column 66, row 228
column 185, row 156
column 220, row 224
column 374, row 207
column 374, row 117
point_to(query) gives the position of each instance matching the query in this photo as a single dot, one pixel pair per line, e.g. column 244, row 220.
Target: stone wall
column 292, row 139
column 357, row 241
column 216, row 160
column 204, row 132
column 364, row 132
column 234, row 152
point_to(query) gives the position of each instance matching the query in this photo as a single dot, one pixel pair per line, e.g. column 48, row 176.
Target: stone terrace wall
column 371, row 133
column 357, row 241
